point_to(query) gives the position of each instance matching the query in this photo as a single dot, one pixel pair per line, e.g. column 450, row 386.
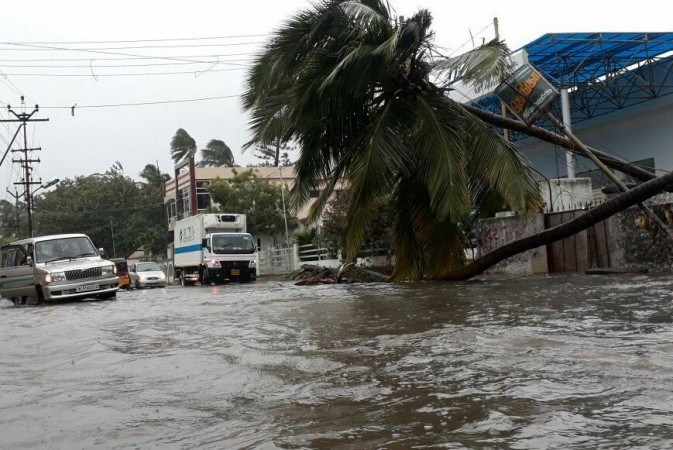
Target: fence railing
column 312, row 252
column 276, row 260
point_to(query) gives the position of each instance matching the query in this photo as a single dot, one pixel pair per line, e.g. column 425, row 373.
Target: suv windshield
column 64, row 248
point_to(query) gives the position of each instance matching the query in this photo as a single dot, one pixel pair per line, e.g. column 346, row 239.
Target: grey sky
column 94, row 138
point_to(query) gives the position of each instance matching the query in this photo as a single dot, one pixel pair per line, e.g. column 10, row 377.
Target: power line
column 160, row 102
column 233, row 62
column 135, row 47
column 147, row 40
column 95, row 75
column 43, row 48
column 100, row 52
column 137, row 57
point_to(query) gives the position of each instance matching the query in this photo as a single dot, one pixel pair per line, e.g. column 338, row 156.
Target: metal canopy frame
column 603, row 72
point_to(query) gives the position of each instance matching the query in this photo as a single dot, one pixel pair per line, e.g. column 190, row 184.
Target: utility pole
column 282, row 197
column 112, row 232
column 25, row 161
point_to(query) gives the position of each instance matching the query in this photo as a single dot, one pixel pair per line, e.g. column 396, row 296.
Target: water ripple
column 539, row 362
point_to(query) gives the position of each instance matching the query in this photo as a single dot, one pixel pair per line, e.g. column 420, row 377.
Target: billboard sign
column 526, row 93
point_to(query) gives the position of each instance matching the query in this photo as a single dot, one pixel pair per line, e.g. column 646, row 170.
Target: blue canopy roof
column 604, row 71
column 569, row 59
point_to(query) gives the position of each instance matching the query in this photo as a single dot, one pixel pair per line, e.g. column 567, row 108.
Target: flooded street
column 540, row 362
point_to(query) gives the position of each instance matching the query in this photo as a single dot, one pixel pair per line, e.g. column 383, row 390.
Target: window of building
column 182, row 203
column 202, row 196
column 171, row 211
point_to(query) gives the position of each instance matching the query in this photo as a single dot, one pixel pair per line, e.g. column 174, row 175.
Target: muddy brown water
column 539, row 362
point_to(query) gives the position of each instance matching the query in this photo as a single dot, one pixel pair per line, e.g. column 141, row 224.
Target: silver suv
column 56, row 267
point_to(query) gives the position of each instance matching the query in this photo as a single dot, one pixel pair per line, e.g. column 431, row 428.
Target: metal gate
column 587, row 249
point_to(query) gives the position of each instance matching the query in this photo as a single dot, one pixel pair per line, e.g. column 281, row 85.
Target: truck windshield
column 233, row 243
column 64, row 248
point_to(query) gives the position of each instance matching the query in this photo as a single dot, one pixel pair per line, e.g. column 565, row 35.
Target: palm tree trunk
column 593, row 216
column 636, row 172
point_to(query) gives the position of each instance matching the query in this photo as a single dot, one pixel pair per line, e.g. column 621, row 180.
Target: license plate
column 235, row 272
column 87, row 288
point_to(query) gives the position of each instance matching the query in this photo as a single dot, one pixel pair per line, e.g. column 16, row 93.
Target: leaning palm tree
column 362, row 97
column 154, row 177
column 216, row 154
column 182, row 146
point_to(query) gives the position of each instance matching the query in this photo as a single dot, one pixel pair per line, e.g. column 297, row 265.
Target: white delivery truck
column 214, row 248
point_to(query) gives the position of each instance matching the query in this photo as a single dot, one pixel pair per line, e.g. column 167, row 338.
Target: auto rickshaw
column 122, row 272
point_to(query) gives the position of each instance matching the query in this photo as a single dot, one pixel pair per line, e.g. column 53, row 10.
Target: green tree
column 216, row 154
column 358, row 90
column 261, row 202
column 114, row 210
column 378, row 234
column 182, row 146
column 10, row 227
column 274, row 155
column 154, row 236
column 154, row 177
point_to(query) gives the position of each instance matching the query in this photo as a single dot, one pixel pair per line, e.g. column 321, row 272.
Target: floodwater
column 540, row 362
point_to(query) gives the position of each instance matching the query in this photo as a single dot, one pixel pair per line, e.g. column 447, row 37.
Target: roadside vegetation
column 361, row 92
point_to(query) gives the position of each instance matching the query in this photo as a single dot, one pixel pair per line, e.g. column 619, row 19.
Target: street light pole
column 282, row 196
column 17, row 196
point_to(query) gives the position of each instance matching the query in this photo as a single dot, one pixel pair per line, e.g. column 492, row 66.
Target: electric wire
column 104, row 52
column 147, row 40
column 130, row 74
column 126, row 58
column 236, row 62
column 159, row 102
column 44, row 47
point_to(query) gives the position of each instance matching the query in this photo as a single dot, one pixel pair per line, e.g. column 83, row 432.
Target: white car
column 147, row 274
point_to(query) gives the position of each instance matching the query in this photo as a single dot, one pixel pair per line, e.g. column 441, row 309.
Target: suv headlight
column 55, row 276
column 108, row 271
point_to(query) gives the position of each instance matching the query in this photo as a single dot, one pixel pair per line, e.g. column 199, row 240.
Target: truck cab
column 229, row 256
column 214, row 248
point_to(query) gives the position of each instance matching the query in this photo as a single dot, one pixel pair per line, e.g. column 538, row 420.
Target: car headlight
column 55, row 276
column 108, row 270
column 253, row 263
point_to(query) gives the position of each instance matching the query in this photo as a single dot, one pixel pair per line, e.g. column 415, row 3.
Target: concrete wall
column 496, row 232
column 636, row 243
column 566, row 194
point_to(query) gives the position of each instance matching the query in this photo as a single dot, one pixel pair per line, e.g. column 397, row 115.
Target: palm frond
column 482, row 66
column 441, row 155
column 501, row 166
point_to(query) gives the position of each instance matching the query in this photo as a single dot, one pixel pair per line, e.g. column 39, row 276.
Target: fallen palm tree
column 310, row 274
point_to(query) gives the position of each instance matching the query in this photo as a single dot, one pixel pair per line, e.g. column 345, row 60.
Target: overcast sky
column 52, row 35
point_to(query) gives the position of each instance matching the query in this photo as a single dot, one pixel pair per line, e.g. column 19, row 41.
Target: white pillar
column 565, row 110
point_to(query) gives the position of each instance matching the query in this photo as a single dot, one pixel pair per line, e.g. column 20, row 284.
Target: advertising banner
column 526, row 93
